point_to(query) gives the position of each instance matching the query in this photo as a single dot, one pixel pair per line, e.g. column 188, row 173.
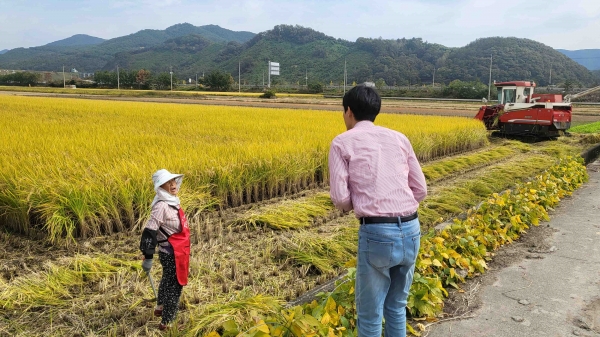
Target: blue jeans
column 384, row 273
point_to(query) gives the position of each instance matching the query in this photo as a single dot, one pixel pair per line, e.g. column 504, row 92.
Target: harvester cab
column 520, row 111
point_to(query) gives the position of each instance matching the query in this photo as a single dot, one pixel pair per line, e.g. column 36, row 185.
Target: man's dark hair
column 364, row 102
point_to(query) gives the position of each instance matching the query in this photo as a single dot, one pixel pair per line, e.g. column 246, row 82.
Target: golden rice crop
column 83, row 167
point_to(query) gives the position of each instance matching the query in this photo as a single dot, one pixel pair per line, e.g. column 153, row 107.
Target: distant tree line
column 126, row 79
column 223, row 81
column 133, row 79
column 144, row 79
column 20, row 78
column 470, row 89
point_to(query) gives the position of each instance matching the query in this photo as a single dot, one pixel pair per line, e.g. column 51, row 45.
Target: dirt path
column 546, row 284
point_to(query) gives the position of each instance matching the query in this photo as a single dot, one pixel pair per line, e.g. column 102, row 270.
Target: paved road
column 558, row 295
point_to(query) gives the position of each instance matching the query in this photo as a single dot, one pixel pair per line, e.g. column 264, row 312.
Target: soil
column 590, row 318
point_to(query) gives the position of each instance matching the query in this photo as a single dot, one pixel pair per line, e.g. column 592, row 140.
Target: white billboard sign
column 274, row 68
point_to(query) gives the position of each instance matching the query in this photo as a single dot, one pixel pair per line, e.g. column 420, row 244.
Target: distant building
column 73, row 70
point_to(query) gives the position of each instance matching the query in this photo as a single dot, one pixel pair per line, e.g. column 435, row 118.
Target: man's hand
column 147, row 265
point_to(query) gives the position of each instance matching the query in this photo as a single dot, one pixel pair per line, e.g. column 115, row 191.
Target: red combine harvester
column 522, row 112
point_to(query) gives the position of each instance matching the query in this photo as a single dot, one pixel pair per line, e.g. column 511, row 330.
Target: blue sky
column 560, row 24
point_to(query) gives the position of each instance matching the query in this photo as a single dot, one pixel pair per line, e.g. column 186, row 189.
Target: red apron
column 181, row 247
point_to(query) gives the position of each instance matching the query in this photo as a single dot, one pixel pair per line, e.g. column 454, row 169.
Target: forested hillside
column 308, row 56
column 91, row 58
column 76, row 40
column 513, row 59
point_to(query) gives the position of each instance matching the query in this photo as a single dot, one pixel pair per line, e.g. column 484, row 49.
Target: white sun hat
column 162, row 176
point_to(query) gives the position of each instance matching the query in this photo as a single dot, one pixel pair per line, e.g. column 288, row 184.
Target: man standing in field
column 374, row 171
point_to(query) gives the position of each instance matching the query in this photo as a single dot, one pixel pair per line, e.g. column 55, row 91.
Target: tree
column 127, row 78
column 142, row 77
column 163, row 81
column 218, row 81
column 106, row 78
column 380, row 83
column 20, row 78
column 315, row 87
column 568, row 85
column 460, row 89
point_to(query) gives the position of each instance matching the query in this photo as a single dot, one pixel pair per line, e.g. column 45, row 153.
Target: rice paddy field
column 75, row 191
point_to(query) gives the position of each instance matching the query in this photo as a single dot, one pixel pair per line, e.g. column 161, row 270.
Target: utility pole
column 263, row 78
column 433, row 85
column 239, row 77
column 118, row 80
column 269, row 75
column 490, row 81
column 550, row 75
column 64, row 79
column 196, row 81
column 306, row 78
column 344, row 75
column 171, row 73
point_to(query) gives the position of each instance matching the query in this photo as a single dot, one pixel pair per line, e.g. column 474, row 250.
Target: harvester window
column 510, row 95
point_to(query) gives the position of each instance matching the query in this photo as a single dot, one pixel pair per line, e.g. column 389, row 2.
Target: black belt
column 374, row 219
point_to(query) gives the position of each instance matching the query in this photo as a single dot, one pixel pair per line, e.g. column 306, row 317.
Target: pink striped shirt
column 167, row 217
column 374, row 171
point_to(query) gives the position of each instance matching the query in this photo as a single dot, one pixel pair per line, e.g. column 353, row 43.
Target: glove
column 147, row 265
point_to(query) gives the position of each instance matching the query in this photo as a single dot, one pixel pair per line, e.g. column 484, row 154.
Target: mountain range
column 90, row 54
column 76, row 40
column 589, row 58
column 3, row 51
column 305, row 55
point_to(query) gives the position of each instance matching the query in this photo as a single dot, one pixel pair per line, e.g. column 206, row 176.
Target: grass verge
column 586, row 128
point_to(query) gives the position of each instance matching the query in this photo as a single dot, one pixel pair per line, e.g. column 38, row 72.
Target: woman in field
column 167, row 228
